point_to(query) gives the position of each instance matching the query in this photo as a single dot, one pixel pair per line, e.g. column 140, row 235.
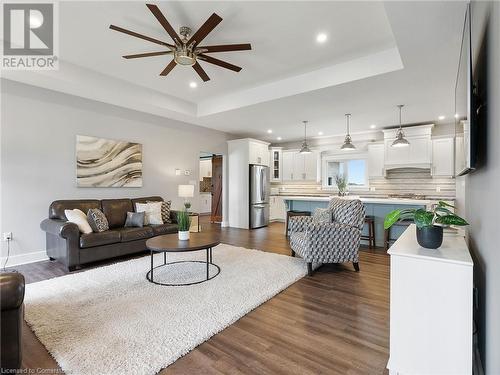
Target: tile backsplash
column 398, row 181
column 206, row 185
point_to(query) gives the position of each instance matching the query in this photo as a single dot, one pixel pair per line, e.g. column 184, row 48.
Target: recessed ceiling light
column 193, row 85
column 321, row 38
column 441, row 117
column 373, row 126
column 269, row 131
column 279, row 138
column 320, row 133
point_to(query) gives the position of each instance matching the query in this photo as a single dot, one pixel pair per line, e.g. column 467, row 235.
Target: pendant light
column 348, row 141
column 305, row 148
column 400, row 140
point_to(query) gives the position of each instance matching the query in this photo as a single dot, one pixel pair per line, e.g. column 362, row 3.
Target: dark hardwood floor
column 335, row 322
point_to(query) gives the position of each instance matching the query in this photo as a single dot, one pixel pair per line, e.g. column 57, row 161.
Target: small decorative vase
column 184, row 235
column 430, row 237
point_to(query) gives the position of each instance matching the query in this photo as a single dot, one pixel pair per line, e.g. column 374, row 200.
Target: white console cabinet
column 431, row 307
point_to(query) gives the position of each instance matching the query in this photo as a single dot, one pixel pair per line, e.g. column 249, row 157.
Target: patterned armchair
column 331, row 235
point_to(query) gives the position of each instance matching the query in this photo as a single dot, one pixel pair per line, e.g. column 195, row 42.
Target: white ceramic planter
column 184, row 235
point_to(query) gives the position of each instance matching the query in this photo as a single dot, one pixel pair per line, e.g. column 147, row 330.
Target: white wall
column 38, row 133
column 482, row 204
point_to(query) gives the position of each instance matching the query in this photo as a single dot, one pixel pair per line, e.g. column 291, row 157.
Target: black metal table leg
column 151, row 265
column 208, row 264
column 164, row 257
column 211, row 256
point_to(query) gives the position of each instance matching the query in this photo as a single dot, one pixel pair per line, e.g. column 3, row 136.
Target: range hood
column 417, row 155
column 407, row 172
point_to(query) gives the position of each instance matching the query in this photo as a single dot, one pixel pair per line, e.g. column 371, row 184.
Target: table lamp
column 186, row 191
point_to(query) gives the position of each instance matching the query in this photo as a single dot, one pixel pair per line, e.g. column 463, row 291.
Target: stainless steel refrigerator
column 259, row 196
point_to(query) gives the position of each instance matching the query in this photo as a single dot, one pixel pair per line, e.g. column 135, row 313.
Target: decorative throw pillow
column 152, row 212
column 135, row 219
column 165, row 212
column 97, row 220
column 322, row 215
column 79, row 218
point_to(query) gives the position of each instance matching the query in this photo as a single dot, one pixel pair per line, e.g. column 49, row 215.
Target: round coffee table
column 170, row 243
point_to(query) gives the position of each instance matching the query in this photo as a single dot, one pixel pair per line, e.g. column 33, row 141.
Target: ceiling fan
column 186, row 50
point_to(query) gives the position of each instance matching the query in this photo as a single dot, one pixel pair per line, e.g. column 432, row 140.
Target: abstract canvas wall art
column 107, row 163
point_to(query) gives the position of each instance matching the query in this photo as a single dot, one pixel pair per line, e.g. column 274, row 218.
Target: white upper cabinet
column 443, row 157
column 258, row 152
column 417, row 154
column 276, row 164
column 376, row 160
column 300, row 167
column 205, row 168
column 287, row 166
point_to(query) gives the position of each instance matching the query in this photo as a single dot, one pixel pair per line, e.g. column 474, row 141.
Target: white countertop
column 402, row 201
column 453, row 250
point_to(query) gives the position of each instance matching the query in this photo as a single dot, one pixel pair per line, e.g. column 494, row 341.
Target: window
column 353, row 169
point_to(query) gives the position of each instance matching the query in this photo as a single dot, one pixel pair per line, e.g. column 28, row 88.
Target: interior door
column 216, row 210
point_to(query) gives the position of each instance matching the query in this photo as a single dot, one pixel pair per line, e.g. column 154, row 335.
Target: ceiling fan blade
column 226, row 48
column 223, row 64
column 147, row 54
column 163, row 21
column 204, row 76
column 140, row 36
column 168, row 68
column 204, row 30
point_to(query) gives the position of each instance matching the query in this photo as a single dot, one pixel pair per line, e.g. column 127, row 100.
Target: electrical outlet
column 187, row 172
column 7, row 236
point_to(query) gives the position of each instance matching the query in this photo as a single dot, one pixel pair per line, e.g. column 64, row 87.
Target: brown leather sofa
column 12, row 316
column 66, row 244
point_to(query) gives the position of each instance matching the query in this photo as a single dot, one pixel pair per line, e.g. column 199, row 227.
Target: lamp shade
column 186, row 191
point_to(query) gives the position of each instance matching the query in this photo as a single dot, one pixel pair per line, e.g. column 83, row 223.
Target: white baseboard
column 16, row 260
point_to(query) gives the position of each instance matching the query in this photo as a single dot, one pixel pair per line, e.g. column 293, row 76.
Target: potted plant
column 184, row 222
column 341, row 182
column 429, row 223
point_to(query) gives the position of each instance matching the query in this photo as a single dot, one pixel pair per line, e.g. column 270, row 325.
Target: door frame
column 225, row 222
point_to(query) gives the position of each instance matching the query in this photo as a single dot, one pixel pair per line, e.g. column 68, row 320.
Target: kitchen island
column 376, row 207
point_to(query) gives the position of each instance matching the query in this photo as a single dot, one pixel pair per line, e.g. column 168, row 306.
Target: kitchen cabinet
column 443, row 157
column 376, row 160
column 287, row 165
column 205, row 203
column 277, row 210
column 276, row 163
column 300, row 167
column 205, row 168
column 417, row 154
column 258, row 152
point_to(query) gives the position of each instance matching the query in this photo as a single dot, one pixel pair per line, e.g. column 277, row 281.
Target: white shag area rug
column 111, row 320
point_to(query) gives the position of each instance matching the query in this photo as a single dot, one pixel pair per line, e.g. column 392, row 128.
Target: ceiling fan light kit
column 185, row 50
column 348, row 145
column 400, row 140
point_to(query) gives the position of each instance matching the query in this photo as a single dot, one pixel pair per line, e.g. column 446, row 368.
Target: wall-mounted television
column 465, row 106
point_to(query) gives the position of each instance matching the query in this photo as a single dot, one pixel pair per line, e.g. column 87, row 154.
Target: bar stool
column 291, row 213
column 388, row 241
column 370, row 220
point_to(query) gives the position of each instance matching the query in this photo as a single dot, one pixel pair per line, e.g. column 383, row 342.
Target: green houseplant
column 341, row 182
column 429, row 223
column 183, row 222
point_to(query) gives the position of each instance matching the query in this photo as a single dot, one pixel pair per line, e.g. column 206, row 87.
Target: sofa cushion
column 100, row 238
column 146, row 200
column 132, row 234
column 164, row 229
column 116, row 211
column 56, row 209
